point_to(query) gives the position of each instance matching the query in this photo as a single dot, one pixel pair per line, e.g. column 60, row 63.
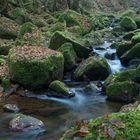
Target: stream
column 59, row 114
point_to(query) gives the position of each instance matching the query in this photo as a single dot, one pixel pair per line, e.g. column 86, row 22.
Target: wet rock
column 131, row 54
column 100, row 48
column 69, row 56
column 123, row 47
column 123, row 86
column 93, row 68
column 25, row 123
column 59, row 38
column 110, row 55
column 11, row 108
column 59, row 89
column 122, row 91
column 34, row 66
column 128, row 23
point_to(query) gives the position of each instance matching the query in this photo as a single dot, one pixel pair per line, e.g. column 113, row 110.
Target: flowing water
column 59, row 114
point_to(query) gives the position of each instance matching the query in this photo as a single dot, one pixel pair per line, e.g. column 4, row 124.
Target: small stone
column 11, row 108
column 26, row 123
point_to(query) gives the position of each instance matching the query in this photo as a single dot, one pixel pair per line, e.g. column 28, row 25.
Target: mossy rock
column 19, row 15
column 59, row 89
column 73, row 18
column 75, row 29
column 123, row 47
column 115, row 126
column 35, row 67
column 5, row 46
column 30, row 34
column 39, row 21
column 128, row 23
column 94, row 38
column 69, row 56
column 93, row 68
column 130, row 13
column 126, row 91
column 137, row 20
column 136, row 38
column 57, row 27
column 59, row 38
column 131, row 54
column 127, row 75
column 8, row 28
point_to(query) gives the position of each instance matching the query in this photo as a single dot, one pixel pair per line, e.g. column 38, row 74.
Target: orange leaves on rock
column 27, row 52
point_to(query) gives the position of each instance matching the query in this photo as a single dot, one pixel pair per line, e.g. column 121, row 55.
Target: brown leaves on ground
column 27, row 52
column 82, row 128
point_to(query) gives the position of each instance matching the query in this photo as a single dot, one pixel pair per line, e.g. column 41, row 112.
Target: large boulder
column 131, row 54
column 8, row 28
column 122, row 47
column 73, row 18
column 69, row 56
column 59, row 89
column 126, row 91
column 25, row 123
column 128, row 23
column 34, row 66
column 59, row 38
column 123, row 86
column 93, row 68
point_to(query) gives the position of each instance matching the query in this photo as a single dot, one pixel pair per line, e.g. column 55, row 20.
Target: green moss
column 18, row 14
column 137, row 20
column 93, row 68
column 115, row 126
column 128, row 23
column 73, row 18
column 59, row 87
column 27, row 27
column 136, row 38
column 59, row 38
column 5, row 83
column 129, row 13
column 57, row 27
column 133, row 53
column 127, row 75
column 130, row 121
column 69, row 55
column 94, row 38
column 30, row 34
column 122, row 89
column 35, row 67
column 122, row 47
